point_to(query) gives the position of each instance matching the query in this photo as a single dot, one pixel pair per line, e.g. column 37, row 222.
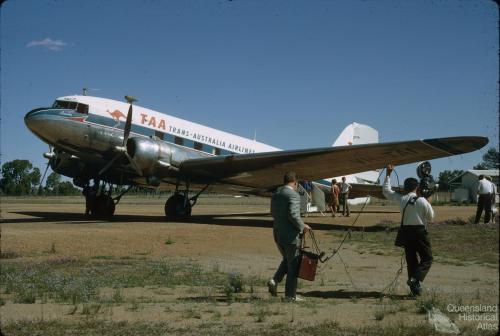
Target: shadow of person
column 342, row 294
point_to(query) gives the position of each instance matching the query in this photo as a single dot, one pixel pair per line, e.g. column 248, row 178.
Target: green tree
column 490, row 160
column 445, row 177
column 19, row 177
column 52, row 183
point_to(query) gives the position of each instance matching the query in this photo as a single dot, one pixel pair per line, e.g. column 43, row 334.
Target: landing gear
column 179, row 205
column 103, row 206
column 99, row 202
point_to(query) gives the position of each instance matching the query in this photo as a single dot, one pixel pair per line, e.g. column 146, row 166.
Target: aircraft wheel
column 175, row 208
column 103, row 206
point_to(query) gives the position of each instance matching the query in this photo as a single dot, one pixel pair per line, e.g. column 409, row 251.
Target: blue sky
column 293, row 72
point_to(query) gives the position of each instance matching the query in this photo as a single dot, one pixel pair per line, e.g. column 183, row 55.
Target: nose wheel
column 99, row 204
column 103, row 207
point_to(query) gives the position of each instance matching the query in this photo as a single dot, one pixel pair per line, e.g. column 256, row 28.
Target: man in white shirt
column 493, row 199
column 416, row 212
column 344, row 195
column 484, row 191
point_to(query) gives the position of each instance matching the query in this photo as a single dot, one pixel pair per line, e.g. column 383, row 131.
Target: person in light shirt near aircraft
column 416, row 212
column 484, row 192
column 344, row 195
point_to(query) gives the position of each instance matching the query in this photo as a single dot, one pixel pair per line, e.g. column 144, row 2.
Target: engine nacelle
column 147, row 153
column 67, row 165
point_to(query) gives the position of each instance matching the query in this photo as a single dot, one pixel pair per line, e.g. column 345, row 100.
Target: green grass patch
column 72, row 281
column 100, row 327
column 455, row 242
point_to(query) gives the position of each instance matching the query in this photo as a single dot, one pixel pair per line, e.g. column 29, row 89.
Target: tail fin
column 356, row 134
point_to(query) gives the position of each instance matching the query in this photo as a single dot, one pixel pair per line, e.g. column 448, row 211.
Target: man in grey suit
column 287, row 228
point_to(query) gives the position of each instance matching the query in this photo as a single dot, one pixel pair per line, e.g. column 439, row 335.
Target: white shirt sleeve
column 425, row 209
column 390, row 194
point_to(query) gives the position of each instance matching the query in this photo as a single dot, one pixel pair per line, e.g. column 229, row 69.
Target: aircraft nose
column 33, row 119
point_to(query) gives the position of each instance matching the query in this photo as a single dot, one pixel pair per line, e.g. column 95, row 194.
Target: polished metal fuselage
column 83, row 148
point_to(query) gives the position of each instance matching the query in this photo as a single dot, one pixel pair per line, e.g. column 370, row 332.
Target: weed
column 169, row 241
column 2, row 302
column 216, row 315
column 8, row 255
column 427, row 302
column 52, row 248
column 379, row 314
column 91, row 309
column 134, row 306
column 261, row 314
column 73, row 310
column 102, row 257
column 117, row 296
column 478, row 294
column 191, row 312
column 235, row 280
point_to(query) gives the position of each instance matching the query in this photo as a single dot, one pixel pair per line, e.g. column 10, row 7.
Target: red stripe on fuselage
column 79, row 119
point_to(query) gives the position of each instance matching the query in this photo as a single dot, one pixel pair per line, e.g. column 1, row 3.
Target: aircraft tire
column 175, row 209
column 104, row 207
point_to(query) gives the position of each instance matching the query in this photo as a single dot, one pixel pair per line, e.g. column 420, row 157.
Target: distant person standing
column 287, row 228
column 344, row 196
column 484, row 191
column 335, row 192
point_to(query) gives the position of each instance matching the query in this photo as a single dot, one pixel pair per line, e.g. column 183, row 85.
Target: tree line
column 20, row 178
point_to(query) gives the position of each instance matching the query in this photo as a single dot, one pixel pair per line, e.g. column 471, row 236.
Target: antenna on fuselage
column 85, row 90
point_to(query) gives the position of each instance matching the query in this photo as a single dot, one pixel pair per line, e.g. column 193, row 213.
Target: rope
column 391, row 286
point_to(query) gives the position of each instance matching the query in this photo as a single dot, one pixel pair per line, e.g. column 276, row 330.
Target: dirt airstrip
column 234, row 236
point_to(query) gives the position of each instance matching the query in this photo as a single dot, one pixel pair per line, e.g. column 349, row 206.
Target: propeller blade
column 43, row 177
column 128, row 126
column 132, row 162
column 110, row 163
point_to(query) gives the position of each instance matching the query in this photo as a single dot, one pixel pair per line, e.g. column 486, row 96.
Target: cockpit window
column 71, row 105
column 83, row 108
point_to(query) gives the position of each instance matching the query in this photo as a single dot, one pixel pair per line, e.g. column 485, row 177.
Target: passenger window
column 160, row 135
column 179, row 141
column 198, row 146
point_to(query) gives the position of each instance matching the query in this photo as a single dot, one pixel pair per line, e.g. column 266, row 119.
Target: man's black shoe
column 414, row 286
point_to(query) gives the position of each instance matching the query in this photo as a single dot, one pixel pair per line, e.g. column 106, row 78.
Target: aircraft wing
column 265, row 171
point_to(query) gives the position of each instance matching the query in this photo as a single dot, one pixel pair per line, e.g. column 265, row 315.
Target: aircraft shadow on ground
column 233, row 219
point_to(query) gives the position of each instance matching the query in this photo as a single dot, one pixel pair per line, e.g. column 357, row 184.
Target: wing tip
column 458, row 145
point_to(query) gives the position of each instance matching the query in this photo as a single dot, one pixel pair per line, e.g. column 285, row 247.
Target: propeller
column 45, row 172
column 122, row 150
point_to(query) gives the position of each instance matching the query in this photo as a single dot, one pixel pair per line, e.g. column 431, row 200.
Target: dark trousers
column 289, row 266
column 343, row 202
column 417, row 246
column 483, row 203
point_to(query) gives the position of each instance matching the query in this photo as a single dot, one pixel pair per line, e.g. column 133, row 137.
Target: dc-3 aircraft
column 94, row 138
